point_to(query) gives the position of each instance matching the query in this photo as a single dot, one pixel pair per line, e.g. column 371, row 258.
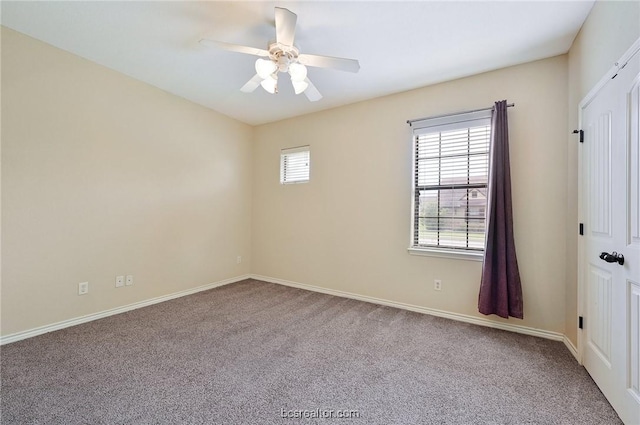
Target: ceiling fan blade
column 349, row 65
column 234, row 47
column 285, row 26
column 252, row 84
column 312, row 92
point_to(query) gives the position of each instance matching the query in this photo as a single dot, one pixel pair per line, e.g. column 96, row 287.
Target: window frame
column 440, row 124
column 284, row 154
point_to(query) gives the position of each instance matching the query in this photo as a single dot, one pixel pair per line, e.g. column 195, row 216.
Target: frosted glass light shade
column 265, row 67
column 270, row 84
column 299, row 86
column 298, row 71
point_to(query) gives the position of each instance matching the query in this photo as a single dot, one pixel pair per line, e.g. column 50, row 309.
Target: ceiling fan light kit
column 297, row 71
column 270, row 84
column 283, row 56
column 299, row 86
column 265, row 67
column 281, row 60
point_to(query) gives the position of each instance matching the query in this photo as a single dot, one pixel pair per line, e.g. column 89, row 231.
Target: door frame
column 613, row 71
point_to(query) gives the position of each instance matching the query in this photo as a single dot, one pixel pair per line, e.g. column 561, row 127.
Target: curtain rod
column 457, row 113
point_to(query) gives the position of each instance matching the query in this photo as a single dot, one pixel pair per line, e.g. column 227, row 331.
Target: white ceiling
column 400, row 45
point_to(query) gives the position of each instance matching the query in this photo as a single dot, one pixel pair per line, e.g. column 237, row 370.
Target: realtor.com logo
column 319, row 414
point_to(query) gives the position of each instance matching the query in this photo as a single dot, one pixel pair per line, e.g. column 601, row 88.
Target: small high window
column 294, row 165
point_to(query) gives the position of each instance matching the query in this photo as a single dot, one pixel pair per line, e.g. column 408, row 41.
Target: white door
column 611, row 204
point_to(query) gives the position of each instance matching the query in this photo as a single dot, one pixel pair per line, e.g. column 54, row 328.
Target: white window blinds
column 451, row 167
column 294, row 165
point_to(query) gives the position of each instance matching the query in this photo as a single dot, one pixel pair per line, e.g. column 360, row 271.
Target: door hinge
column 580, row 322
column 581, row 133
column 581, row 229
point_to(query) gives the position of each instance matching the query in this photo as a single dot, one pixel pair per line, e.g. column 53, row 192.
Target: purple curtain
column 500, row 287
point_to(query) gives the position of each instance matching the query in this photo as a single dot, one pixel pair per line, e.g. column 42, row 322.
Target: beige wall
column 103, row 175
column 610, row 29
column 348, row 228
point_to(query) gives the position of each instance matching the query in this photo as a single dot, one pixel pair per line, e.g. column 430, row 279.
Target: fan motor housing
column 283, row 55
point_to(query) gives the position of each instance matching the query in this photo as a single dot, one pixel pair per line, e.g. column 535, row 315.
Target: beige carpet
column 253, row 352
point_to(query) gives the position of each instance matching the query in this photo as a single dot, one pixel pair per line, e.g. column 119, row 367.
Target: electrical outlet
column 119, row 281
column 238, row 259
column 83, row 288
column 129, row 280
column 437, row 285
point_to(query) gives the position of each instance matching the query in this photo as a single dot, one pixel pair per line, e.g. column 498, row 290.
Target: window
column 450, row 175
column 294, row 165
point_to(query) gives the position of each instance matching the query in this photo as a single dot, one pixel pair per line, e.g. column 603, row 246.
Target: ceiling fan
column 283, row 56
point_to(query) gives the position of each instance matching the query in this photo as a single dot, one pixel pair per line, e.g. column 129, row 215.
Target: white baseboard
column 7, row 339
column 556, row 336
column 572, row 348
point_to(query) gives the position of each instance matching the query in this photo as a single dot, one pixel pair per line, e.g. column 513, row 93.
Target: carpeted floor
column 243, row 353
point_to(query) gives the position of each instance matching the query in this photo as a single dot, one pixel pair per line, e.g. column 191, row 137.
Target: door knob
column 612, row 258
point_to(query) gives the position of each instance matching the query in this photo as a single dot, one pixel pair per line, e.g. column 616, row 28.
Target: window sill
column 447, row 253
